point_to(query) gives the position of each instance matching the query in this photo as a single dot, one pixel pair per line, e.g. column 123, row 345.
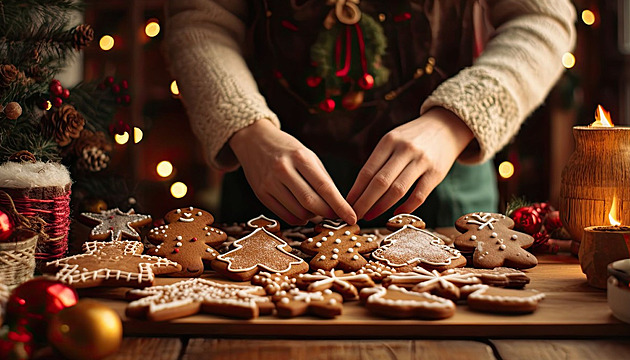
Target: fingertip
column 350, row 219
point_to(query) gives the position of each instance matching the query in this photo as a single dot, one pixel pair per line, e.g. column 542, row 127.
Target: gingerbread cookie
column 274, row 283
column 500, row 300
column 399, row 221
column 501, row 276
column 114, row 224
column 410, row 247
column 189, row 297
column 292, row 303
column 258, row 251
column 395, row 302
column 422, row 280
column 262, row 221
column 115, row 263
column 348, row 285
column 188, row 239
column 376, row 270
column 338, row 246
column 493, row 242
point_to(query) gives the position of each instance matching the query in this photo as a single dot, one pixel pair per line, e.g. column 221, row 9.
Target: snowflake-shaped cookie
column 348, row 285
column 292, row 303
column 422, row 280
column 114, row 224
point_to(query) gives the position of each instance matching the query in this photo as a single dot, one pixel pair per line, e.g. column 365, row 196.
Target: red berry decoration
column 6, row 226
column 65, row 93
column 55, row 82
column 327, row 105
column 366, row 82
column 115, row 88
column 109, row 80
column 57, row 102
column 313, row 81
column 126, row 99
column 124, row 84
column 56, row 89
column 119, row 128
column 33, row 303
column 527, row 220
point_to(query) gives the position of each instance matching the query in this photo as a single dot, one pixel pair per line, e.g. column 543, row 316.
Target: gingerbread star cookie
column 500, row 277
column 189, row 297
column 493, row 241
column 395, row 302
column 400, row 220
column 338, row 246
column 348, row 285
column 274, row 283
column 292, row 303
column 500, row 300
column 115, row 263
column 114, row 224
column 258, row 251
column 422, row 280
column 188, row 239
column 410, row 247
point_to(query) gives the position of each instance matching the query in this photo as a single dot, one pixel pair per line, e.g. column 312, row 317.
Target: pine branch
column 515, row 203
column 98, row 107
column 25, row 135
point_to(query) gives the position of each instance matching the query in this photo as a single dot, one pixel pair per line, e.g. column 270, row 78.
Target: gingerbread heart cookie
column 348, row 285
column 115, row 263
column 258, row 251
column 494, row 242
column 338, row 246
column 114, row 224
column 410, row 247
column 395, row 302
column 188, row 239
column 399, row 221
column 500, row 300
column 292, row 303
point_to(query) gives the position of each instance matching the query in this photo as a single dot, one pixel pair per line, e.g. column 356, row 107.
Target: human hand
column 421, row 150
column 287, row 177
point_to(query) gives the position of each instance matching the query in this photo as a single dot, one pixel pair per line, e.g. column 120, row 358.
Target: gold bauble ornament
column 88, row 330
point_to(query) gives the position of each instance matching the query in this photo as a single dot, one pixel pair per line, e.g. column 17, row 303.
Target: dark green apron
column 427, row 42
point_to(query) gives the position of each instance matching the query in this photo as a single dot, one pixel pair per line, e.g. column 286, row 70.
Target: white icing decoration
column 514, row 237
column 273, row 223
column 334, row 256
column 483, row 220
column 199, row 213
column 318, row 244
column 337, row 241
column 330, row 233
column 473, row 237
column 178, row 244
column 350, row 250
column 179, row 237
column 357, row 244
column 503, row 247
column 336, row 251
column 493, row 235
column 347, row 233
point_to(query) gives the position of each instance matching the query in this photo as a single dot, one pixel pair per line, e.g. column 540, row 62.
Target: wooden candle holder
column 600, row 246
column 597, row 172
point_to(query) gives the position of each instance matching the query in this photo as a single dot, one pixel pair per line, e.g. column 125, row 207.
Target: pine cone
column 93, row 159
column 36, row 72
column 64, row 124
column 90, row 139
column 8, row 74
column 82, row 35
column 13, row 110
column 22, row 156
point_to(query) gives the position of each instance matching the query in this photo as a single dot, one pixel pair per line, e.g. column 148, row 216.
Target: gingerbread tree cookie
column 292, row 303
column 114, row 224
column 258, row 251
column 338, row 246
column 115, row 263
column 410, row 247
column 395, row 302
column 348, row 285
column 399, row 221
column 189, row 297
column 188, row 239
column 422, row 280
column 494, row 242
column 271, row 225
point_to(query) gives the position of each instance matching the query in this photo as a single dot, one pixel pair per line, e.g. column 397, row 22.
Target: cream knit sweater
column 506, row 83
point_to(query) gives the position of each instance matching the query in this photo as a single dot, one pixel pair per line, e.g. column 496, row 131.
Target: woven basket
column 17, row 259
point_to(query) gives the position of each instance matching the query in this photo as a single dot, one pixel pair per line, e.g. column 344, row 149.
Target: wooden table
column 573, row 322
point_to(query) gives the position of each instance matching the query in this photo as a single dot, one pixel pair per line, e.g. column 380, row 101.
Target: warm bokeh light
column 568, row 60
column 179, row 190
column 613, row 214
column 48, row 105
column 588, row 17
column 164, row 168
column 602, row 118
column 106, row 43
column 506, row 169
column 174, row 88
column 137, row 134
column 152, row 29
column 121, row 139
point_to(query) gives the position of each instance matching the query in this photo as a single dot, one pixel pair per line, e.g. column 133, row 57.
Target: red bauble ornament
column 543, row 208
column 327, row 105
column 115, row 88
column 313, row 81
column 56, row 89
column 57, row 102
column 527, row 220
column 366, row 82
column 552, row 221
column 65, row 93
column 33, row 303
column 124, row 84
column 109, row 80
column 6, row 226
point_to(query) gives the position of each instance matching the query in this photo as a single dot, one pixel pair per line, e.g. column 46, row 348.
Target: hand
column 421, row 150
column 287, row 177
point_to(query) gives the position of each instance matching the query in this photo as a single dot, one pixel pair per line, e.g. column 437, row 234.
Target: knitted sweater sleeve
column 512, row 76
column 204, row 42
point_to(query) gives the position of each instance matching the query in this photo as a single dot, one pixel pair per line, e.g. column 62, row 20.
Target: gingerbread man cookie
column 258, row 251
column 500, row 300
column 422, row 280
column 188, row 239
column 292, row 303
column 399, row 221
column 338, row 246
column 395, row 302
column 493, row 241
column 348, row 285
column 115, row 263
column 114, row 224
column 410, row 247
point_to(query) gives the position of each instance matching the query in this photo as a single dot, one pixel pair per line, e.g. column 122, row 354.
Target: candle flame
column 602, row 118
column 613, row 214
